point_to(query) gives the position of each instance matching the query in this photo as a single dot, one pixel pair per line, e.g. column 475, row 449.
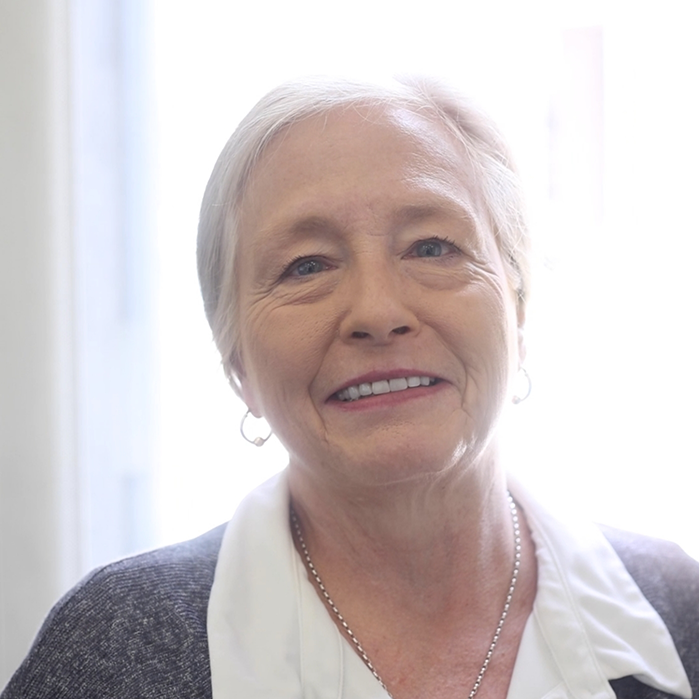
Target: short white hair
column 487, row 154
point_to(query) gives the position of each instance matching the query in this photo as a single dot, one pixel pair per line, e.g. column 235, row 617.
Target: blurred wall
column 75, row 325
column 38, row 493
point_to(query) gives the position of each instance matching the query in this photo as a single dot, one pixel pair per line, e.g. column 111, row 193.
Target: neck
column 420, row 573
column 431, row 545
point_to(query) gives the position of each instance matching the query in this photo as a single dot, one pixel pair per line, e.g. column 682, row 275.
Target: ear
column 521, row 343
column 248, row 395
column 244, row 386
column 240, row 384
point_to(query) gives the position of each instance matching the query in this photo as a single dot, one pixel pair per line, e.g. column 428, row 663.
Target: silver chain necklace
column 355, row 640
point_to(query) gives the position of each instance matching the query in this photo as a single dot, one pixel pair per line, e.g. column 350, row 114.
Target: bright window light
column 605, row 134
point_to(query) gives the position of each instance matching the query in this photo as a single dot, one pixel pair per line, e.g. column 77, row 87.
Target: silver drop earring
column 517, row 399
column 257, row 441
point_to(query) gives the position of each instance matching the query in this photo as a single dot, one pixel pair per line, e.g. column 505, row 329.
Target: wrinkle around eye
column 452, row 271
column 309, row 288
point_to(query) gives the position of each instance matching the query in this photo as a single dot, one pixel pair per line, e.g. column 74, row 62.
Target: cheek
column 283, row 350
column 483, row 336
column 483, row 321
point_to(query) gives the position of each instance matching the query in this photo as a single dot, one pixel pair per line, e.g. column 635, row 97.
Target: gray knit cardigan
column 137, row 628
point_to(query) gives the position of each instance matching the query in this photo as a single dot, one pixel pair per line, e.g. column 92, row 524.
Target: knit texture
column 137, row 628
column 669, row 580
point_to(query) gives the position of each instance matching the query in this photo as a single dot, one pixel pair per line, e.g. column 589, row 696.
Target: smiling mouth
column 377, row 388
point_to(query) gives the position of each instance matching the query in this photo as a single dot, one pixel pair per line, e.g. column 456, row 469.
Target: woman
column 363, row 262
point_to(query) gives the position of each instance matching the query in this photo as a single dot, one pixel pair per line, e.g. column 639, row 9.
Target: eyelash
column 296, row 262
column 436, row 239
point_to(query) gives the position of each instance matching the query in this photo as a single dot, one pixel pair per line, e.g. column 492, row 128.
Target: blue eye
column 432, row 248
column 306, row 267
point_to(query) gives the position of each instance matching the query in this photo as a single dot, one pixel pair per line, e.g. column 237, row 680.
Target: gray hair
column 295, row 101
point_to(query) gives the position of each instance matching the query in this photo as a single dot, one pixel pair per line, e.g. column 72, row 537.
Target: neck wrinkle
column 432, row 549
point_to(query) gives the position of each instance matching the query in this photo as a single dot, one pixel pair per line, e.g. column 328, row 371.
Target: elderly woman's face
column 378, row 330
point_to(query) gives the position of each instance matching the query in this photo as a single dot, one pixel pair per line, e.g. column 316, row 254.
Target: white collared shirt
column 270, row 635
column 590, row 621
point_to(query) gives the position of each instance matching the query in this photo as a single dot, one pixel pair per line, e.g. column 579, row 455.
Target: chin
column 405, row 464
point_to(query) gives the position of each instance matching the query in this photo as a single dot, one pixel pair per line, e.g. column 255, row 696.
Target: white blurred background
column 118, row 431
column 599, row 103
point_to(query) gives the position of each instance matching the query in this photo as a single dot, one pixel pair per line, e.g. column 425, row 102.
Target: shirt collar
column 596, row 622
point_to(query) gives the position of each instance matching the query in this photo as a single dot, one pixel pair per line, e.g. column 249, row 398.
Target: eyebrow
column 414, row 213
column 307, row 225
column 406, row 215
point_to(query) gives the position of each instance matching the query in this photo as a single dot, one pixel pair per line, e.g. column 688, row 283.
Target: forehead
column 358, row 158
column 392, row 129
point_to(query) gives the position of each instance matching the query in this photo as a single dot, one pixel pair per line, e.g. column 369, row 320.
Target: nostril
column 359, row 334
column 402, row 330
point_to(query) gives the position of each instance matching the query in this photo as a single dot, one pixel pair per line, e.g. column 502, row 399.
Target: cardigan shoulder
column 137, row 627
column 134, row 628
column 669, row 580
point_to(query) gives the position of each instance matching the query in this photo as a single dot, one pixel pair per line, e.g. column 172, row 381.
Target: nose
column 377, row 306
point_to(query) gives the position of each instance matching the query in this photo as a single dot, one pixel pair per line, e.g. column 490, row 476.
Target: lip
column 379, row 375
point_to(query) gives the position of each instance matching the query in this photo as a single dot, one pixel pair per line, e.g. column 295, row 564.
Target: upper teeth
column 376, row 388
